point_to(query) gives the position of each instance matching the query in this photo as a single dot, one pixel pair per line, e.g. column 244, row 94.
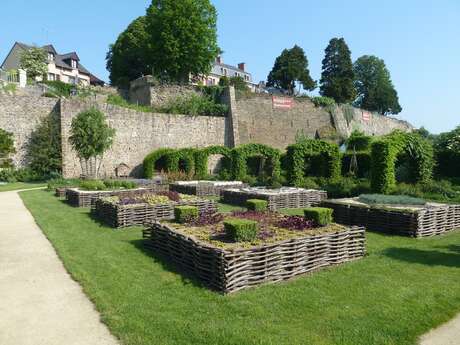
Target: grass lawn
column 20, row 185
column 399, row 291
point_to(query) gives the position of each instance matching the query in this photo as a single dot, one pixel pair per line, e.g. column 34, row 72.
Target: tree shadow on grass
column 426, row 257
column 186, row 277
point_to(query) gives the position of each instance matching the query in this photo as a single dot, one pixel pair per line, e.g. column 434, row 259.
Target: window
column 50, row 57
column 51, row 77
column 74, row 63
column 72, row 80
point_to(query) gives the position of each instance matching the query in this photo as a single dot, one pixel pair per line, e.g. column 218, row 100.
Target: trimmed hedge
column 183, row 214
column 202, row 156
column 152, row 158
column 326, row 156
column 385, row 152
column 257, row 205
column 321, row 216
column 241, row 230
column 243, row 152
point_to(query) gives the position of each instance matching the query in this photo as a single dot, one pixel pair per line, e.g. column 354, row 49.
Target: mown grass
column 399, row 291
column 20, row 185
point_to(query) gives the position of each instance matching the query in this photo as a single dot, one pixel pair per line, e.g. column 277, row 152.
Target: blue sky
column 419, row 40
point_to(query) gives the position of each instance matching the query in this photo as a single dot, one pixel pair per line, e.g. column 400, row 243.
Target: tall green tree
column 183, row 38
column 34, row 62
column 290, row 68
column 127, row 58
column 91, row 137
column 374, row 86
column 337, row 76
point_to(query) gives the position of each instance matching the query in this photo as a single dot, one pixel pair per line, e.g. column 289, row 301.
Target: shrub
column 116, row 184
column 257, row 205
column 152, row 158
column 346, row 187
column 358, row 141
column 295, row 223
column 321, row 216
column 410, row 148
column 324, row 157
column 6, row 148
column 390, row 199
column 62, row 182
column 243, row 152
column 59, row 88
column 185, row 214
column 194, row 105
column 202, row 156
column 92, row 185
column 363, row 164
column 121, row 102
column 322, row 101
column 7, row 175
column 241, row 230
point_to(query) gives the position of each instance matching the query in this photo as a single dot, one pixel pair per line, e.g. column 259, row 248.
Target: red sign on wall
column 282, row 102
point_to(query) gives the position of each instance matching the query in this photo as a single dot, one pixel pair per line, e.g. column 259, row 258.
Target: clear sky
column 418, row 39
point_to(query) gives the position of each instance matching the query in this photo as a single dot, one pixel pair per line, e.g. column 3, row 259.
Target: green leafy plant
column 91, row 137
column 358, row 141
column 194, row 104
column 241, row 230
column 269, row 154
column 184, row 214
column 321, row 216
column 6, row 148
column 92, row 185
column 257, row 205
column 415, row 151
column 34, row 62
column 121, row 102
column 322, row 101
column 202, row 157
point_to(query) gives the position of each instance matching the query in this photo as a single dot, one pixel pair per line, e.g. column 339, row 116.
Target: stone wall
column 259, row 122
column 21, row 115
column 138, row 134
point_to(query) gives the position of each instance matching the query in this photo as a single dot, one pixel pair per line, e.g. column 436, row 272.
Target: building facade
column 63, row 67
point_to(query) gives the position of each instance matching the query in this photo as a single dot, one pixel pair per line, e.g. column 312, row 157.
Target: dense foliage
column 34, row 62
column 194, row 104
column 241, row 230
column 289, row 68
column 128, row 58
column 320, row 216
column 6, row 148
column 447, row 151
column 337, row 76
column 257, row 205
column 390, row 199
column 185, row 214
column 202, row 157
column 156, row 161
column 322, row 101
column 315, row 157
column 44, row 149
column 91, row 137
column 374, row 87
column 407, row 152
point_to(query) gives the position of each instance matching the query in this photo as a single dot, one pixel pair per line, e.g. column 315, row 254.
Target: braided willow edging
column 305, row 198
column 121, row 216
column 429, row 221
column 60, row 192
column 203, row 189
column 79, row 198
column 229, row 271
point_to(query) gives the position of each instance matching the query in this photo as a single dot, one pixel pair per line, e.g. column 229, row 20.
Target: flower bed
column 409, row 220
column 120, row 211
column 284, row 248
column 83, row 198
column 205, row 188
column 285, row 197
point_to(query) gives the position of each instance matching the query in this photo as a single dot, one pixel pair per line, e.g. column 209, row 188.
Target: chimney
column 241, row 66
column 219, row 59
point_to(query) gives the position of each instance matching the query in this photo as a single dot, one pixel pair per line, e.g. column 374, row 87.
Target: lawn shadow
column 425, row 257
column 186, row 277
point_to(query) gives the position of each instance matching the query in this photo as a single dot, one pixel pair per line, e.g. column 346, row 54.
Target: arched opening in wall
column 216, row 163
column 316, row 165
column 406, row 167
column 160, row 164
column 183, row 165
column 259, row 168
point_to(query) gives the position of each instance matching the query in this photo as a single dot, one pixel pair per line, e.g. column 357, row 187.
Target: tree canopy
column 291, row 67
column 337, row 75
column 374, row 86
column 127, row 58
column 33, row 61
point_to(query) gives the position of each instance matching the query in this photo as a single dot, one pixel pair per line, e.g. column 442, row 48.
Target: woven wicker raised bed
column 121, row 216
column 205, row 188
column 80, row 198
column 422, row 221
column 232, row 270
column 61, row 192
column 277, row 198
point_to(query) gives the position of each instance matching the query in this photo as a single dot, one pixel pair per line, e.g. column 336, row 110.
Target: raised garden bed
column 229, row 267
column 409, row 220
column 205, row 188
column 60, row 192
column 123, row 213
column 82, row 198
column 285, row 197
